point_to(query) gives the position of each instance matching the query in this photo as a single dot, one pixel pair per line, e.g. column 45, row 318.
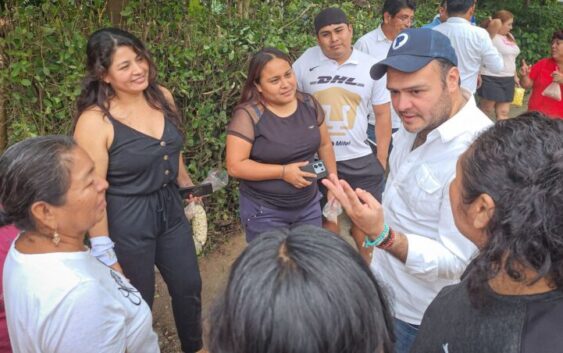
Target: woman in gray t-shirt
column 275, row 131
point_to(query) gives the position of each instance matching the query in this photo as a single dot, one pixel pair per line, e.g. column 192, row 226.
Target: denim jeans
column 405, row 334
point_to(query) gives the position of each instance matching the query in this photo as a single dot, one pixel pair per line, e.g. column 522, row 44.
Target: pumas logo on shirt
column 336, row 79
column 340, row 107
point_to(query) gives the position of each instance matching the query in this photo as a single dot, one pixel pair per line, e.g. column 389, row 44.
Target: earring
column 56, row 238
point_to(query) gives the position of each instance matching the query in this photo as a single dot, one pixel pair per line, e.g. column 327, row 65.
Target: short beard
column 440, row 114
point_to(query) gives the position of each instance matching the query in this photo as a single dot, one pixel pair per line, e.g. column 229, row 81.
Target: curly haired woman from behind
column 506, row 198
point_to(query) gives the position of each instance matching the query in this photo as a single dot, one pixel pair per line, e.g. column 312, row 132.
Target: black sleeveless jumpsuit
column 147, row 223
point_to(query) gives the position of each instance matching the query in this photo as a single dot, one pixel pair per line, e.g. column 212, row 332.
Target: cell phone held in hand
column 196, row 190
column 316, row 167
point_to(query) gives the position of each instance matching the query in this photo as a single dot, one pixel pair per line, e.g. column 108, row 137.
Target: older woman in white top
column 59, row 298
column 497, row 89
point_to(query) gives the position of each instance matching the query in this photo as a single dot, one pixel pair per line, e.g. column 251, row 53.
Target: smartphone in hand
column 316, row 167
column 196, row 190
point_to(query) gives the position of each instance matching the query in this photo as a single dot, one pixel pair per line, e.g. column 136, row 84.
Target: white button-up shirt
column 473, row 47
column 416, row 203
column 376, row 45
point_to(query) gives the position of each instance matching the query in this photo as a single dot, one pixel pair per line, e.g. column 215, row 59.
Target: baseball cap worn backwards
column 329, row 16
column 413, row 49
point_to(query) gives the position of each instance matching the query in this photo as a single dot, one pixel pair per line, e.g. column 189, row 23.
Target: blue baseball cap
column 413, row 49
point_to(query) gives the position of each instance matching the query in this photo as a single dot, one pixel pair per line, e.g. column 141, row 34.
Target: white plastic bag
column 553, row 91
column 218, row 179
column 332, row 210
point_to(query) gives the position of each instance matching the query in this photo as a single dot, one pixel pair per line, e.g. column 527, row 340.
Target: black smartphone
column 196, row 190
column 316, row 167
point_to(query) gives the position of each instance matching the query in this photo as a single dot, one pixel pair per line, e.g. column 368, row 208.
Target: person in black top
column 130, row 127
column 274, row 131
column 507, row 199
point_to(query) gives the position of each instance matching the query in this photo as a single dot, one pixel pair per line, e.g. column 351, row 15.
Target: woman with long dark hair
column 58, row 297
column 506, row 198
column 274, row 132
column 131, row 128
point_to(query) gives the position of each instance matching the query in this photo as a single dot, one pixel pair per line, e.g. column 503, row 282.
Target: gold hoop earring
column 56, row 238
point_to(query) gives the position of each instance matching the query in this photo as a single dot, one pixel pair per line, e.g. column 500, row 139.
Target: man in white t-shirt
column 472, row 44
column 396, row 15
column 338, row 77
column 418, row 249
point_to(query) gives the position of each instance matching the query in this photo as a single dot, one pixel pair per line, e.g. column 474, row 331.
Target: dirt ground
column 215, row 269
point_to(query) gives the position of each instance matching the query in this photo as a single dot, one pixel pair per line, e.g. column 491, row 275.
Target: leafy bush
column 201, row 52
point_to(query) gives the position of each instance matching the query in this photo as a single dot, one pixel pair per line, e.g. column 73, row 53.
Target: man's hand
column 362, row 208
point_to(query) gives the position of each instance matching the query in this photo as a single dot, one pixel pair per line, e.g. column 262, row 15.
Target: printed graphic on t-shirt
column 128, row 292
column 340, row 107
column 334, row 80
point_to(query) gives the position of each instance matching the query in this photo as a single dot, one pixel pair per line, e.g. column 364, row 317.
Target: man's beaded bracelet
column 379, row 239
column 387, row 243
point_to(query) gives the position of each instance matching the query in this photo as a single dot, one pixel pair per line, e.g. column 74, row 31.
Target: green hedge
column 201, row 52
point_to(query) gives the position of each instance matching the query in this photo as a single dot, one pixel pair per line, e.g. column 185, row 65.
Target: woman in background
column 497, row 89
column 542, row 74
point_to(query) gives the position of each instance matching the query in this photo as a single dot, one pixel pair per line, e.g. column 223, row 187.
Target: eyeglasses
column 405, row 18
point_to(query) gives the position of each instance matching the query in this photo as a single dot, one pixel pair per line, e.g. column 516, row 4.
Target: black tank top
column 140, row 164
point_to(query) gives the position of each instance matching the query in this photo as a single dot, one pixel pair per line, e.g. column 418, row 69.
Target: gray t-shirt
column 279, row 140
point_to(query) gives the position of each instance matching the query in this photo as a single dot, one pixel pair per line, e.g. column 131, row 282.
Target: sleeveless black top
column 140, row 164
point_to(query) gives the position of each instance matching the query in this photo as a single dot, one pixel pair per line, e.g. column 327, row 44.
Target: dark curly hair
column 519, row 164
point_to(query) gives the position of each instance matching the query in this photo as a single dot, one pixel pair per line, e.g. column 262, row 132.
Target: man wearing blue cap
column 418, row 249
